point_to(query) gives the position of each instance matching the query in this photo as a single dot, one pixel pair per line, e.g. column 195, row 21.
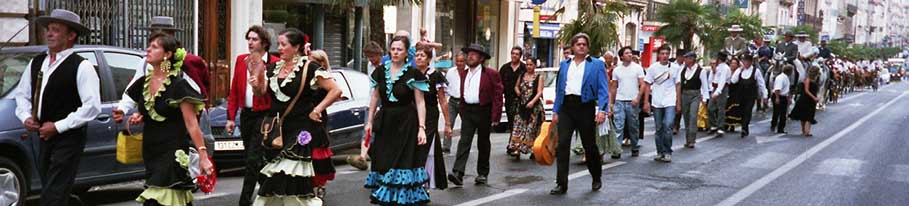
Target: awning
column 547, row 30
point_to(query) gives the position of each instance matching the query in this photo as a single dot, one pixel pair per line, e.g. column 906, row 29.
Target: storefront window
column 487, row 28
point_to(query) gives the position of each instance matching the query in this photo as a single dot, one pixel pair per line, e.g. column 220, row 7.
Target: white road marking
column 495, row 197
column 516, row 191
column 774, row 138
column 585, row 172
column 840, row 167
column 203, row 196
column 763, row 181
column 899, row 173
column 767, row 160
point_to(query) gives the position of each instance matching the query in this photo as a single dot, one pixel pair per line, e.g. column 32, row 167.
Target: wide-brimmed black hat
column 476, row 48
column 66, row 17
column 165, row 23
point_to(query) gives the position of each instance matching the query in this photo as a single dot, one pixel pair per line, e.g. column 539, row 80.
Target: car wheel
column 13, row 187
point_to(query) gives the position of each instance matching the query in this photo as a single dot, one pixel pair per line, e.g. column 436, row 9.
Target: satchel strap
column 303, row 84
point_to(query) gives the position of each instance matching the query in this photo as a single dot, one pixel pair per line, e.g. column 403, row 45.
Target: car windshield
column 11, row 67
column 549, row 78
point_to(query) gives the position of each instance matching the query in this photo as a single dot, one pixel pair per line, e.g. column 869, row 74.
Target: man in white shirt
column 57, row 96
column 781, row 99
column 806, row 53
column 663, row 85
column 454, row 94
column 750, row 88
column 716, row 107
column 695, row 91
column 629, row 77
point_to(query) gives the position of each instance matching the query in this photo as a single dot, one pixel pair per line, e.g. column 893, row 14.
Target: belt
column 455, row 98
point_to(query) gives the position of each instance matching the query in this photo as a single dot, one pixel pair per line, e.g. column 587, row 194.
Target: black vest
column 694, row 83
column 60, row 96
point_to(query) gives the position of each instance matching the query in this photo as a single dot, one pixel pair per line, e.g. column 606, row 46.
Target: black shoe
column 480, row 180
column 635, row 153
column 596, row 185
column 690, row 146
column 618, row 156
column 744, row 133
column 446, row 150
column 713, row 131
column 558, row 190
column 456, row 179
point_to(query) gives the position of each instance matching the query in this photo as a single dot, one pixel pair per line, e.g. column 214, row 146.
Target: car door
column 121, row 66
column 345, row 122
column 99, row 153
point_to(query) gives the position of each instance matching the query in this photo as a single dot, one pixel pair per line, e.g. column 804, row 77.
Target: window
column 342, row 83
column 11, row 68
column 122, row 68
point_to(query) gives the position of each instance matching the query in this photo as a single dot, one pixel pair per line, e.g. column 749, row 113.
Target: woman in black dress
column 434, row 98
column 398, row 156
column 806, row 105
column 292, row 169
column 168, row 104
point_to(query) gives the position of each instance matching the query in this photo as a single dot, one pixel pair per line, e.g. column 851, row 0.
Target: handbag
column 129, row 147
column 270, row 129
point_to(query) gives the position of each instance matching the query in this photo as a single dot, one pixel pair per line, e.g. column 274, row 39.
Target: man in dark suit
column 481, row 109
column 581, row 87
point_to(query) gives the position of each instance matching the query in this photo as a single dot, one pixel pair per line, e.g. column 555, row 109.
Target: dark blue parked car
column 19, row 148
column 346, row 119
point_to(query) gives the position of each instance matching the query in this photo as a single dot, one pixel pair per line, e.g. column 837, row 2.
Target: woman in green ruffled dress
column 168, row 102
column 299, row 166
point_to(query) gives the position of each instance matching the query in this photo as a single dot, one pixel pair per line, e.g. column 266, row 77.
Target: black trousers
column 577, row 116
column 780, row 109
column 510, row 111
column 60, row 158
column 747, row 110
column 475, row 119
column 252, row 143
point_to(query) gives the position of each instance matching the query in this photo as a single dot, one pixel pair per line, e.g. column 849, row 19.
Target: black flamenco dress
column 293, row 171
column 397, row 173
column 166, row 141
column 435, row 164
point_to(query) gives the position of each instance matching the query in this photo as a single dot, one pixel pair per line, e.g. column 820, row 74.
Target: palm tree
column 717, row 31
column 684, row 19
column 597, row 20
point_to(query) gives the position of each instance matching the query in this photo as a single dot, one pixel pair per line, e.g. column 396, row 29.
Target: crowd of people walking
column 282, row 101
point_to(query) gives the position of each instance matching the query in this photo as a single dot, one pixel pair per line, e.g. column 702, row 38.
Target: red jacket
column 490, row 90
column 236, row 98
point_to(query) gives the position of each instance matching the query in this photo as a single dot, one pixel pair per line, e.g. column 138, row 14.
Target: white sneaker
column 659, row 157
column 721, row 132
column 667, row 158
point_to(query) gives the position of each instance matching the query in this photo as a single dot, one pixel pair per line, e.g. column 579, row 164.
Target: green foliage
column 841, row 49
column 717, row 29
column 684, row 19
column 596, row 19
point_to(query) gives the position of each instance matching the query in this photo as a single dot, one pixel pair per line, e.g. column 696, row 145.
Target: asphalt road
column 857, row 156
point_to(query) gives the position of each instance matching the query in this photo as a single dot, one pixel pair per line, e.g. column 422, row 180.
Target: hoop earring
column 165, row 66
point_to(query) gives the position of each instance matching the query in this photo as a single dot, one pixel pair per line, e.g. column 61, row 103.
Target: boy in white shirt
column 663, row 81
column 629, row 77
column 781, row 99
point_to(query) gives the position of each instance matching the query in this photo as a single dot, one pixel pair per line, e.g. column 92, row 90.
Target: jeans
column 626, row 116
column 663, row 118
column 453, row 107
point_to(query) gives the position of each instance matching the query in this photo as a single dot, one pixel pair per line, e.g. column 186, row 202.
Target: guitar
column 544, row 146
